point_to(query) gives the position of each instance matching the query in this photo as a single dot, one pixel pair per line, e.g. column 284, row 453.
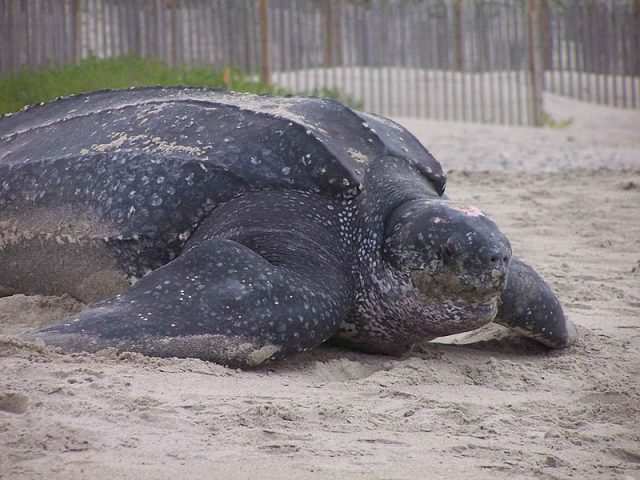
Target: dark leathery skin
column 249, row 228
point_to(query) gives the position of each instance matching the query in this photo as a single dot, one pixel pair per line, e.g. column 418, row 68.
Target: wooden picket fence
column 470, row 60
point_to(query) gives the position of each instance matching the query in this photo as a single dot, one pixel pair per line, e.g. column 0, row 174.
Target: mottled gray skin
column 242, row 228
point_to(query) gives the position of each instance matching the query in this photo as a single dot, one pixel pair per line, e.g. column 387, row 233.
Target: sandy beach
column 483, row 405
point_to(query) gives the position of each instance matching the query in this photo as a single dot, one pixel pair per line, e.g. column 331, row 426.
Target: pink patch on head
column 469, row 210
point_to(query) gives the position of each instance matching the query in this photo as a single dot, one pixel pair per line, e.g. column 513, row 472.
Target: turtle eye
column 450, row 248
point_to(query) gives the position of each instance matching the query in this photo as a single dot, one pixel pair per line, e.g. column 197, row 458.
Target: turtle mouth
column 461, row 305
column 432, row 287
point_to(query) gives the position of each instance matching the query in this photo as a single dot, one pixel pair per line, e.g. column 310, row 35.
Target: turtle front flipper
column 220, row 301
column 529, row 306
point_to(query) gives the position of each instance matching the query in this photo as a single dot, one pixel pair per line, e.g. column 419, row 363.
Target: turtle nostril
column 499, row 260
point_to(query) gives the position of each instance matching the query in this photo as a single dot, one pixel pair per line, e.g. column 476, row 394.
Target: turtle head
column 451, row 257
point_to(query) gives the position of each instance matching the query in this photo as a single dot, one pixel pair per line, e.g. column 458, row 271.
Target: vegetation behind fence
column 472, row 60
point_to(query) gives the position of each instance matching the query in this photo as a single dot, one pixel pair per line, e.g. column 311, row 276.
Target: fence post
column 264, row 39
column 547, row 37
column 173, row 29
column 635, row 48
column 328, row 34
column 77, row 30
column 536, row 67
column 457, row 29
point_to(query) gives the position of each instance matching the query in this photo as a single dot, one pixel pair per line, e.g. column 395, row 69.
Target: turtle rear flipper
column 218, row 301
column 529, row 306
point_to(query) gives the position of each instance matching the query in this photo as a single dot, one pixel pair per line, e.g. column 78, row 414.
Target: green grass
column 29, row 87
column 549, row 121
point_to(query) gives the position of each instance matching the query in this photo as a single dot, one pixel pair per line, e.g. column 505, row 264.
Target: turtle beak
column 458, row 274
column 484, row 267
column 497, row 262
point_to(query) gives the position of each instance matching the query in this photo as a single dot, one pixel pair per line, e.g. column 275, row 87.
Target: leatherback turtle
column 240, row 228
